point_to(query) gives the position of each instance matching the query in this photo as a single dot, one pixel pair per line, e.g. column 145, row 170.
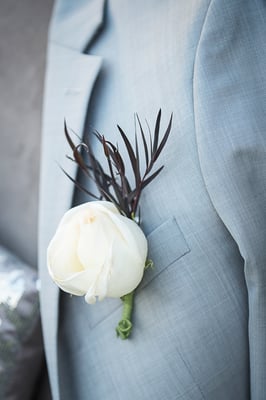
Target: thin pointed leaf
column 144, row 142
column 137, row 172
column 116, row 157
column 69, row 140
column 150, row 136
column 129, row 149
column 136, row 142
column 164, row 139
column 70, row 158
column 101, row 179
column 105, row 147
column 139, row 216
column 77, row 136
column 156, row 132
column 119, row 162
column 98, row 136
column 116, row 187
column 110, row 197
column 79, row 158
column 151, row 177
column 97, row 170
column 127, row 185
column 79, row 186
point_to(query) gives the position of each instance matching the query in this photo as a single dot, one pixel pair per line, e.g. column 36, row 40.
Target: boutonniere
column 99, row 249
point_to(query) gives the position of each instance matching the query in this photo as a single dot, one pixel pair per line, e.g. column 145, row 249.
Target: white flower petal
column 62, row 253
column 127, row 270
column 132, row 234
column 97, row 252
column 78, row 284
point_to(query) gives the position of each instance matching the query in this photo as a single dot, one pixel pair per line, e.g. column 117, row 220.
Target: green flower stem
column 124, row 327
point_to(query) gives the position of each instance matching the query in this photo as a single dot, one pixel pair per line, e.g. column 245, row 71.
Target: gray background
column 23, row 38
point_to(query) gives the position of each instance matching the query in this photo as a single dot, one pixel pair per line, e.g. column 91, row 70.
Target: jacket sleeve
column 229, row 87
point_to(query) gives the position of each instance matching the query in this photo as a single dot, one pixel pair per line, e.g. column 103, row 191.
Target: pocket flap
column 166, row 244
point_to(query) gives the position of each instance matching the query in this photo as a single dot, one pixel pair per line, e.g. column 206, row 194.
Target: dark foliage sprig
column 114, row 185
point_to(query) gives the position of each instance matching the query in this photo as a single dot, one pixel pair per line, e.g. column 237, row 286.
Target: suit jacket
column 200, row 329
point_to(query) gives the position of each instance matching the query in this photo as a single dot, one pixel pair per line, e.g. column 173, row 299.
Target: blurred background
column 23, row 41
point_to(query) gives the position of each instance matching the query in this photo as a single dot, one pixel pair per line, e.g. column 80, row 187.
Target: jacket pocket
column 166, row 244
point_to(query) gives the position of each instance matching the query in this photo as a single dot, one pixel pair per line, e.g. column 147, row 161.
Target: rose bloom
column 97, row 252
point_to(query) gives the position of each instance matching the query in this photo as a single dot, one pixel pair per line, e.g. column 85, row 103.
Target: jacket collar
column 70, row 77
column 74, row 23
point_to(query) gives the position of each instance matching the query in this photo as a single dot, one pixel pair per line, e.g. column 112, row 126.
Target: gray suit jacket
column 200, row 329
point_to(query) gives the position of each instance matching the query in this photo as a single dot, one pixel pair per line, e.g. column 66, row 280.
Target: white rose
column 97, row 252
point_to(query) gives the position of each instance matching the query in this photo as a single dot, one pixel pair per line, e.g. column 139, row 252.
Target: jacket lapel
column 69, row 82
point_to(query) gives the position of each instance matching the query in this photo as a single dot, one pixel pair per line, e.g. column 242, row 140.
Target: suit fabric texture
column 199, row 320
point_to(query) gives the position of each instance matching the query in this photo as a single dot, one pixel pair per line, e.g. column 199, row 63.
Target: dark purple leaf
column 129, row 148
column 164, row 139
column 156, row 132
column 79, row 186
column 144, row 142
column 151, row 177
